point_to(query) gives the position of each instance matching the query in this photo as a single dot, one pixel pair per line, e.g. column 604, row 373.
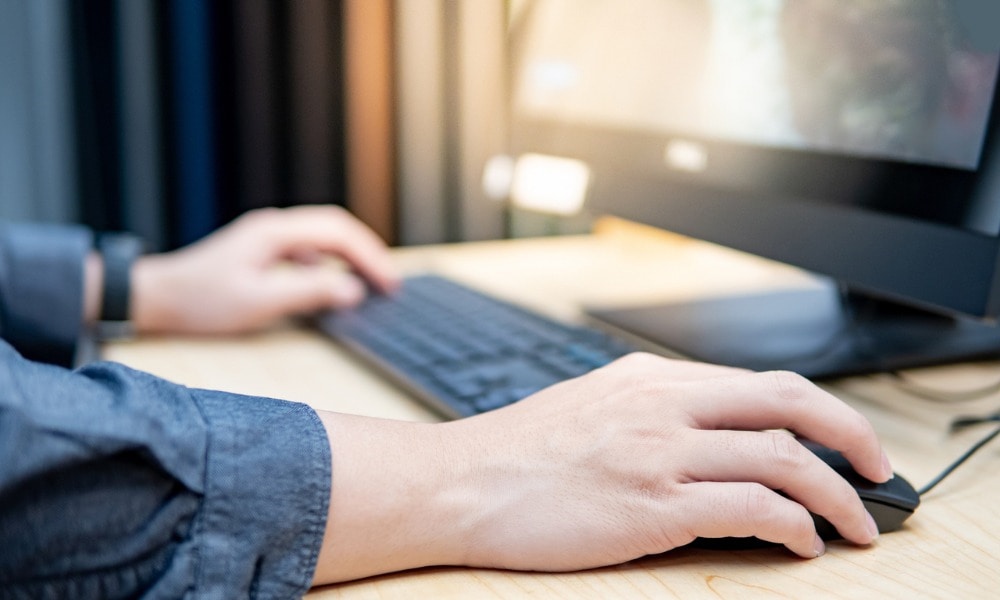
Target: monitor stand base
column 820, row 333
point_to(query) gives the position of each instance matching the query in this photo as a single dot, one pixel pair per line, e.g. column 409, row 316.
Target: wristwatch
column 118, row 252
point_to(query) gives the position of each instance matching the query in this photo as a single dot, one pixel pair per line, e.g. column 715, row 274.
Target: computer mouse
column 889, row 503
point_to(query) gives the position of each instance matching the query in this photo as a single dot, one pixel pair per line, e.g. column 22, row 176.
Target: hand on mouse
column 262, row 267
column 636, row 458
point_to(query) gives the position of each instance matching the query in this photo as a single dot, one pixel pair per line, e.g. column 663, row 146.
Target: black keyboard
column 463, row 352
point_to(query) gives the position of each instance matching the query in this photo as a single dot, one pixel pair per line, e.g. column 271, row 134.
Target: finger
column 750, row 510
column 780, row 462
column 330, row 229
column 307, row 256
column 307, row 290
column 785, row 400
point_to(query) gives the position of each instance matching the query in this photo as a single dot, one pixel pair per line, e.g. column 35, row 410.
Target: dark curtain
column 191, row 112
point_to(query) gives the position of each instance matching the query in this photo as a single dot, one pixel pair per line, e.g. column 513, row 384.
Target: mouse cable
column 958, row 424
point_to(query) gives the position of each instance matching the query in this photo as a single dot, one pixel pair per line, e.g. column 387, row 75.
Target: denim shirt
column 118, row 484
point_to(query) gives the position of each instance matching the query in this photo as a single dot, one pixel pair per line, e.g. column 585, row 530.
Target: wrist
column 113, row 278
column 150, row 287
column 399, row 499
column 93, row 281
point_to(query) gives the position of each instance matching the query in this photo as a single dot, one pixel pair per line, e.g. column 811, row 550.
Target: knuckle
column 333, row 211
column 788, row 385
column 627, row 366
column 799, row 524
column 323, row 211
column 645, row 363
column 758, row 505
column 654, row 487
column 786, row 453
column 637, row 359
column 774, row 518
column 259, row 218
column 261, row 214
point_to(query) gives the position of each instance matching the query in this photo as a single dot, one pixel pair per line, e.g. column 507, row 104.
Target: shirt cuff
column 41, row 289
column 266, row 498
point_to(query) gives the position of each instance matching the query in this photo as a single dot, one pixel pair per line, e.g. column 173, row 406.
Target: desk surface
column 948, row 549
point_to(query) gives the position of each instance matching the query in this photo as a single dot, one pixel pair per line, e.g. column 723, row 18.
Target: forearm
column 113, row 477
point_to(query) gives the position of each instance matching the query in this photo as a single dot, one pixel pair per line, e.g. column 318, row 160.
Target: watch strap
column 118, row 252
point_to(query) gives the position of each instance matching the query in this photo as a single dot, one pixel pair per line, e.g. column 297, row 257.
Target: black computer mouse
column 889, row 503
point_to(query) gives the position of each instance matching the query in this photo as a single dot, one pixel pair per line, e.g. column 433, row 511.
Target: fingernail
column 886, row 467
column 872, row 527
column 819, row 548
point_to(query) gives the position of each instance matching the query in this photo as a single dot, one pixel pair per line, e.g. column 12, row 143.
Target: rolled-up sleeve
column 41, row 288
column 115, row 483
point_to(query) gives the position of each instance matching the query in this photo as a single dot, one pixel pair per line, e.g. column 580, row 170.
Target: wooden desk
column 949, row 549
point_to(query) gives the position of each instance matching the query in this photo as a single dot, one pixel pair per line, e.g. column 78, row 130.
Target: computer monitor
column 857, row 139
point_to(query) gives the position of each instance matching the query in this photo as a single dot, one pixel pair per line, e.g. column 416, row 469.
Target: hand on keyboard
column 262, row 267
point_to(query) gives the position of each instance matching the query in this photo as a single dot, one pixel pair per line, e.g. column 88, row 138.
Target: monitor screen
column 854, row 138
column 890, row 80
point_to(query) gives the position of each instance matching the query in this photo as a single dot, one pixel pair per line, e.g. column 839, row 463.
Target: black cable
column 957, row 424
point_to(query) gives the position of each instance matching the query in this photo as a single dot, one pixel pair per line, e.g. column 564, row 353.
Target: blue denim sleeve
column 41, row 288
column 117, row 484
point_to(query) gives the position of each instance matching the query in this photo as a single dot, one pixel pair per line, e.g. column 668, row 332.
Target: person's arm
column 266, row 265
column 636, row 458
column 118, row 484
column 116, row 478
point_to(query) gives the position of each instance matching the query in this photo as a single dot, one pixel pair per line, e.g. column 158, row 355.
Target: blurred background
column 171, row 117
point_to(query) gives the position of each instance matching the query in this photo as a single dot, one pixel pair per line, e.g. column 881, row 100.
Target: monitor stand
column 819, row 333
